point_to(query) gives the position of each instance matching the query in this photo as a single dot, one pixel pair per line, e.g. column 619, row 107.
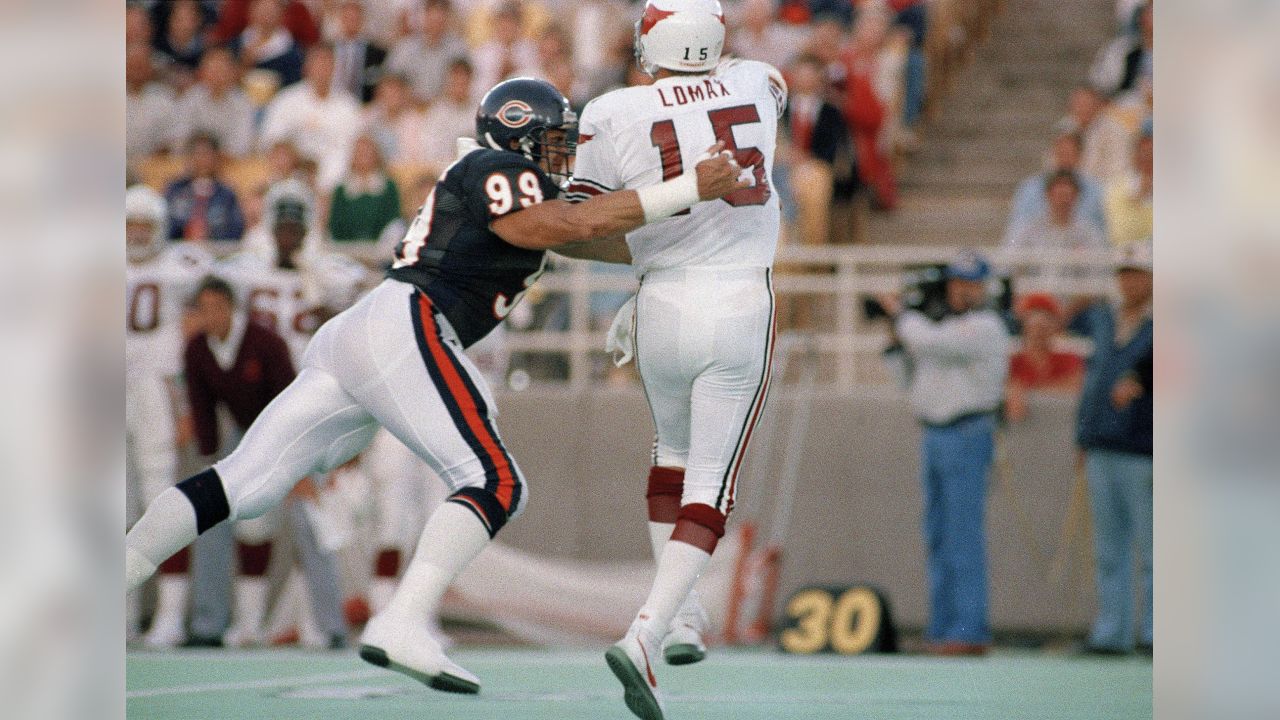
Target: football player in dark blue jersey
column 395, row 359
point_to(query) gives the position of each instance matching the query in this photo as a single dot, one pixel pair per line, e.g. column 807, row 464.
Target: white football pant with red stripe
column 389, row 360
column 704, row 346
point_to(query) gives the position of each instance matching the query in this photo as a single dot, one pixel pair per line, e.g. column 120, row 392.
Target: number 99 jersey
column 472, row 275
column 639, row 136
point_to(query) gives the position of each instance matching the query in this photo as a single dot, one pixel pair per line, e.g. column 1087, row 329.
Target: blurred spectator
column 1031, row 199
column 451, row 116
column 955, row 371
column 872, row 81
column 1039, row 365
column 1127, row 59
column 366, row 199
column 358, row 61
column 913, row 16
column 424, row 57
column 320, row 122
column 827, row 40
column 138, row 29
column 283, row 162
column 182, row 43
column 236, row 15
column 1059, row 225
column 506, row 53
column 267, row 44
column 760, row 37
column 216, row 105
column 396, row 123
column 1128, row 201
column 1114, row 429
column 200, row 206
column 1117, row 127
column 148, row 106
column 820, row 153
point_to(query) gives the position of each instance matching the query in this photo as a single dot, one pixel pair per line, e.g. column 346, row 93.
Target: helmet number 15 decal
column 498, row 188
column 663, row 136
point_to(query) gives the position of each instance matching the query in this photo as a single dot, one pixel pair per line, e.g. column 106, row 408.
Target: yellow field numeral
column 848, row 624
column 812, row 611
column 855, row 622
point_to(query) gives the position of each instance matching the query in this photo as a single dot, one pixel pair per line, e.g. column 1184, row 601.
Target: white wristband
column 668, row 198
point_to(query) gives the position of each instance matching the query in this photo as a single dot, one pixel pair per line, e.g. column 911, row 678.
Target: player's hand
column 719, row 174
column 891, row 303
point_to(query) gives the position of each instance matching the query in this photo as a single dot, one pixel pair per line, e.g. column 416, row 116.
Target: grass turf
column 532, row 684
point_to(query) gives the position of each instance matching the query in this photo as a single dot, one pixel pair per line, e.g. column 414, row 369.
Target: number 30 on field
column 847, row 621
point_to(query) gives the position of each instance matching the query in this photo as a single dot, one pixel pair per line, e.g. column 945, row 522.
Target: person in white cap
column 1114, row 430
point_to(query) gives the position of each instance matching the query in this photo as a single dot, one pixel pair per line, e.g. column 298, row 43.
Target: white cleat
column 244, row 635
column 630, row 663
column 410, row 649
column 683, row 644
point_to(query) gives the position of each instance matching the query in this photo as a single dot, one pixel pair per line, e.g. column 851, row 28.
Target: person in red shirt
column 1039, row 365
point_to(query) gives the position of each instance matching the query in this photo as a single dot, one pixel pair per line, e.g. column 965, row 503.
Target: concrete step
column 940, row 219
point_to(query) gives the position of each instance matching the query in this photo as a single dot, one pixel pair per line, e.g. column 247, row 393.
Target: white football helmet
column 683, row 35
column 142, row 204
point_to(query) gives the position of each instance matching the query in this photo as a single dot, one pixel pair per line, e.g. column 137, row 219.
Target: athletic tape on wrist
column 668, row 198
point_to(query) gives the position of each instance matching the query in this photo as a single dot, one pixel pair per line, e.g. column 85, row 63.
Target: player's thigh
column 313, row 425
column 667, row 383
column 727, row 402
column 407, row 369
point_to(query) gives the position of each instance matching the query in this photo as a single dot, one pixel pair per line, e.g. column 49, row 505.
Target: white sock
column 251, row 603
column 168, row 525
column 380, row 591
column 678, row 569
column 659, row 534
column 451, row 539
column 171, row 596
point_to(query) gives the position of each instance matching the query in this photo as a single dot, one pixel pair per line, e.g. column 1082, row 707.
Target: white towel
column 620, row 340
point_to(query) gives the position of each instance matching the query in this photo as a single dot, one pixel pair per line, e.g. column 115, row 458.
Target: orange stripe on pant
column 467, row 403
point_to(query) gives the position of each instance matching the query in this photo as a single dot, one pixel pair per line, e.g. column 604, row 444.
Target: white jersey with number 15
column 640, row 136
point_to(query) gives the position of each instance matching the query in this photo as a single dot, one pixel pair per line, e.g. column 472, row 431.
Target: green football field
column 535, row 684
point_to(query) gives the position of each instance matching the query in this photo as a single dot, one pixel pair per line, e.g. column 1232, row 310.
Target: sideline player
column 395, row 359
column 704, row 312
column 159, row 280
column 291, row 286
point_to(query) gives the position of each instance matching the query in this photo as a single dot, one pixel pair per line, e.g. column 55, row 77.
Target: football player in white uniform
column 292, row 286
column 158, row 282
column 704, row 320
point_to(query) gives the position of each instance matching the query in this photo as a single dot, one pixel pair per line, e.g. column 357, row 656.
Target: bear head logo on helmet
column 531, row 117
column 680, row 35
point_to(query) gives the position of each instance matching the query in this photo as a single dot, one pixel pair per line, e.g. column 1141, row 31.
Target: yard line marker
column 255, row 684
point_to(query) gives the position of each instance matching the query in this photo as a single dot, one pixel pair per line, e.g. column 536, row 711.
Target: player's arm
column 550, row 224
column 610, row 250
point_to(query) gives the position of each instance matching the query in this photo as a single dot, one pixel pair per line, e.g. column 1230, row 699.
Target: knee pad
column 209, row 498
column 666, row 485
column 486, row 506
column 699, row 525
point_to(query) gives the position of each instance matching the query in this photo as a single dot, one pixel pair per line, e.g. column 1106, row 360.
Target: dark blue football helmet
column 519, row 114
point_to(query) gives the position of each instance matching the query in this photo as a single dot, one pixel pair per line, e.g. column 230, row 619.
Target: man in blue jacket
column 1114, row 430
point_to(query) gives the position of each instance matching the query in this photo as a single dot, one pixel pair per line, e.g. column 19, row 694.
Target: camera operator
column 954, row 370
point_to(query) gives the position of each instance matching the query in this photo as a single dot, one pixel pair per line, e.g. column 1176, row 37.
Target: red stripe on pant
column 467, row 403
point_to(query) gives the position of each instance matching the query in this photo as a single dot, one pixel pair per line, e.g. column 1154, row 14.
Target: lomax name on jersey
column 709, row 88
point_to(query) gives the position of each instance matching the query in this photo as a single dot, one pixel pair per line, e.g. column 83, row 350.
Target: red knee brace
column 666, row 485
column 699, row 525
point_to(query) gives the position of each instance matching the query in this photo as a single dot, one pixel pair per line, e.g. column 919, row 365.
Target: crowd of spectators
column 1095, row 189
column 363, row 99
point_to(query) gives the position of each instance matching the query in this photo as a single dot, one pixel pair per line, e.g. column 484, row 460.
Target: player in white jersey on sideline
column 292, row 286
column 703, row 329
column 158, row 282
